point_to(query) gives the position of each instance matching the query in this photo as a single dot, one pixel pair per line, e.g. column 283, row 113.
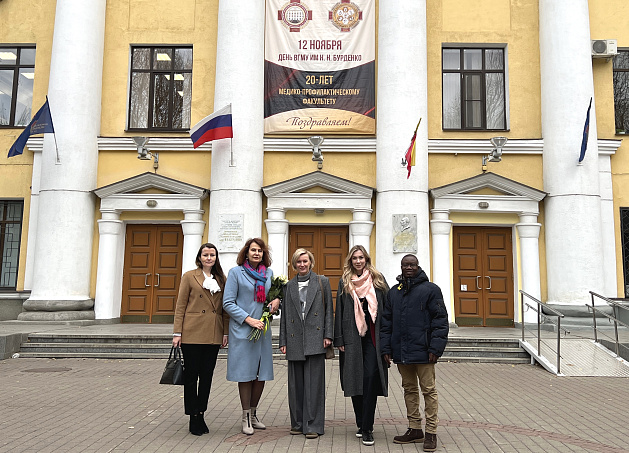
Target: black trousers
column 199, row 362
column 365, row 404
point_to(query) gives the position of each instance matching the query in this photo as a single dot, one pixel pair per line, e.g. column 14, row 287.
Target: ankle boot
column 194, row 426
column 202, row 424
column 246, row 423
column 255, row 421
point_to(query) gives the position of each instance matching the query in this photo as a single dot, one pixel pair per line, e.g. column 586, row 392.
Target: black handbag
column 173, row 371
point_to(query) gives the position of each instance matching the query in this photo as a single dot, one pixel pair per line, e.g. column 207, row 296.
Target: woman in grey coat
column 305, row 331
column 250, row 363
column 359, row 304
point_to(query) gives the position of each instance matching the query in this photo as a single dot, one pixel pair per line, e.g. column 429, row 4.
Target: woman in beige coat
column 200, row 328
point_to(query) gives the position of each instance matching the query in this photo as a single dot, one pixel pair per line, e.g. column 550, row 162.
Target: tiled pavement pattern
column 89, row 405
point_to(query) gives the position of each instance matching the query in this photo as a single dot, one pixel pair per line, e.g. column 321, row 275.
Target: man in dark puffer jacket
column 413, row 334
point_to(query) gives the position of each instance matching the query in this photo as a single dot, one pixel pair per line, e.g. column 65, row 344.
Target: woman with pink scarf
column 359, row 303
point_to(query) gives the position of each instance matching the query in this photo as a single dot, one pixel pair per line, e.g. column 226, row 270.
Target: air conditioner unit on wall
column 604, row 48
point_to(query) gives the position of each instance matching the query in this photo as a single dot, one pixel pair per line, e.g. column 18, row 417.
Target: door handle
column 487, row 276
column 158, row 280
column 477, row 277
column 146, row 276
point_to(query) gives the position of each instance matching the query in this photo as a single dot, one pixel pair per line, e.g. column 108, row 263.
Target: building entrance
column 152, row 272
column 329, row 245
column 483, row 276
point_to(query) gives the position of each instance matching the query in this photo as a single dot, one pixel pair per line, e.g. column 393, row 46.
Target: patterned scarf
column 260, row 278
column 363, row 287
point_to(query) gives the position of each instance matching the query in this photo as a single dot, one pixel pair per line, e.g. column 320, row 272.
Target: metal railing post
column 558, row 344
column 616, row 329
column 594, row 319
column 539, row 330
column 522, row 308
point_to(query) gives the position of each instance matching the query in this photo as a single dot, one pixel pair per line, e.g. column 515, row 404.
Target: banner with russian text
column 319, row 68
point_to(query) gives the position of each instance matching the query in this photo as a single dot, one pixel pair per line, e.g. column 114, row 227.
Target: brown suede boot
column 410, row 436
column 430, row 443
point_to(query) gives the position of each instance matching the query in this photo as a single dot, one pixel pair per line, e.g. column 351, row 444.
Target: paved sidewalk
column 89, row 405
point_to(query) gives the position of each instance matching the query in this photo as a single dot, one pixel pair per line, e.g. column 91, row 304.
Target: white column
column 32, row 221
column 277, row 229
column 193, row 227
column 237, row 189
column 402, row 100
column 528, row 231
column 440, row 227
column 109, row 274
column 360, row 228
column 61, row 287
column 607, row 225
column 573, row 205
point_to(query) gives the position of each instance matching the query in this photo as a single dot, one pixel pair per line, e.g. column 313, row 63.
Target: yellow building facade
column 104, row 235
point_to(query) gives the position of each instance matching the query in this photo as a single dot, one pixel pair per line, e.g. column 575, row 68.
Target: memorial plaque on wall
column 404, row 233
column 319, row 67
column 230, row 232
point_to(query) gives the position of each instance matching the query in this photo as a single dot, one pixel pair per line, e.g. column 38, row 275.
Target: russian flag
column 214, row 127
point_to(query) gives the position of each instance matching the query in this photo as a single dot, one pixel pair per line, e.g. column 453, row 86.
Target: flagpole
column 58, row 161
column 231, row 153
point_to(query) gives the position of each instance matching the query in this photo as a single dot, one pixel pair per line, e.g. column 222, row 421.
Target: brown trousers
column 425, row 374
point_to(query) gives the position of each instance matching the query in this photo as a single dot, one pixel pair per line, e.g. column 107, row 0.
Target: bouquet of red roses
column 275, row 292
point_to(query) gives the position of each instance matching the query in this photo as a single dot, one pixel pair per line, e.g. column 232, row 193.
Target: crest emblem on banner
column 294, row 15
column 345, row 15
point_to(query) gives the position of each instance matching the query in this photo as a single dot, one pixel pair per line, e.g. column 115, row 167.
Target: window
column 621, row 91
column 17, row 73
column 10, row 231
column 161, row 88
column 474, row 89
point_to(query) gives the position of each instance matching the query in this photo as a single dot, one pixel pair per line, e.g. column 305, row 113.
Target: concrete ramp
column 579, row 357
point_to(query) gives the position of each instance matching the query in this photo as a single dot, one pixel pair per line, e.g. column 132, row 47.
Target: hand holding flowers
column 275, row 292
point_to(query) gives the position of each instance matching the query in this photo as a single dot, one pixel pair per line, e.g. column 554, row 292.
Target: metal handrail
column 538, row 310
column 615, row 305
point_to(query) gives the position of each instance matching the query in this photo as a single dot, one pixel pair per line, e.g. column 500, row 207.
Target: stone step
column 485, row 352
column 107, row 355
column 107, row 339
column 468, row 342
column 511, row 360
column 158, row 346
column 153, row 350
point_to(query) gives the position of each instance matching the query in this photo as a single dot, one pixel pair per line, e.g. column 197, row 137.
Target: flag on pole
column 40, row 124
column 214, row 127
column 410, row 152
column 586, row 132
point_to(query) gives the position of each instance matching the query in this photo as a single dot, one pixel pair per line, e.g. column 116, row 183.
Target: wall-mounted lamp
column 144, row 153
column 496, row 154
column 317, row 155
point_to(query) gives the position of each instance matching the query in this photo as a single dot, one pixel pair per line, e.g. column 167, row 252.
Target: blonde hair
column 348, row 270
column 298, row 253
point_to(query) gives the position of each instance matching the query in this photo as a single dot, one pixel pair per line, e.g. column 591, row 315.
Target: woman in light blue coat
column 249, row 362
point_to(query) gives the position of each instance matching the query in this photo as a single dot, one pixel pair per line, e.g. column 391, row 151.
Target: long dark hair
column 266, row 255
column 217, row 270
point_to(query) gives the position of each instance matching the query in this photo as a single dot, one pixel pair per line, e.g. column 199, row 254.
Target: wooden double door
column 152, row 272
column 328, row 244
column 483, row 276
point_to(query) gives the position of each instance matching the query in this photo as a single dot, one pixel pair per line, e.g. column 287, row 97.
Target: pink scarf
column 363, row 287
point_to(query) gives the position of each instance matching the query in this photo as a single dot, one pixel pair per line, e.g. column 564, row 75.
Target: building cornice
column 335, row 145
